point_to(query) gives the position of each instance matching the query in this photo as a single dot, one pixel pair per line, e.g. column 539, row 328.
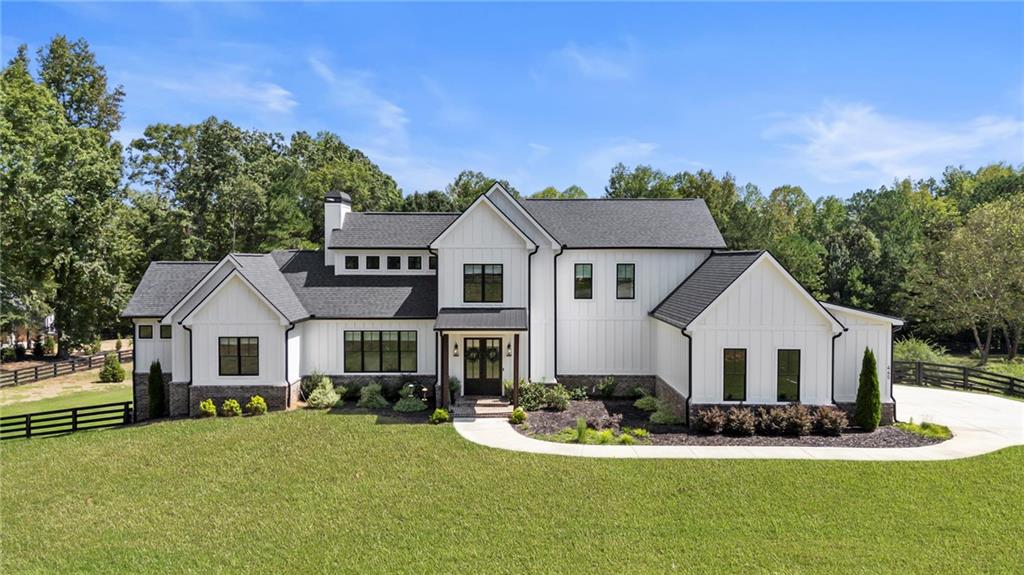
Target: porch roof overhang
column 481, row 319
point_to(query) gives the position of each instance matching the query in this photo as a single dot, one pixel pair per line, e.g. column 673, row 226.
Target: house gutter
column 834, row 337
column 191, row 357
column 555, row 278
column 135, row 368
column 689, row 372
column 892, row 360
column 287, row 384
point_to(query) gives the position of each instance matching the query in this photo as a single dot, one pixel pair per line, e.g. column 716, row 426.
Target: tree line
column 84, row 214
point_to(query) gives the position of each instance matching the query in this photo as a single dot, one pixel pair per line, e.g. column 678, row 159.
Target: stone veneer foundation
column 676, row 400
column 140, row 388
column 278, row 397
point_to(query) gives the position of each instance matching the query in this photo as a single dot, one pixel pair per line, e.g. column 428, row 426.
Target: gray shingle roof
column 390, row 230
column 633, row 223
column 703, row 287
column 163, row 285
column 262, row 271
column 325, row 295
column 463, row 318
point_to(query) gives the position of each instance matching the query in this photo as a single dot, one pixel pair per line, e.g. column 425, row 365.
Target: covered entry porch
column 482, row 348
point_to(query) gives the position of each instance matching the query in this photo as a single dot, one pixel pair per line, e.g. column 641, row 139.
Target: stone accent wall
column 624, row 384
column 276, row 396
column 888, row 411
column 140, row 385
column 177, row 399
column 667, row 393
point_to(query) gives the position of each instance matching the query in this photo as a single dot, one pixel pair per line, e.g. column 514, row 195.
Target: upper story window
column 788, row 382
column 415, row 262
column 584, row 282
column 238, row 355
column 735, row 375
column 625, row 284
column 145, row 332
column 432, row 262
column 482, row 283
column 351, row 262
column 394, row 262
column 373, row 262
column 165, row 332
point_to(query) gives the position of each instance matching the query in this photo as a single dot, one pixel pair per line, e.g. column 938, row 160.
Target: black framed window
column 788, row 381
column 735, row 375
column 238, row 355
column 394, row 262
column 415, row 262
column 625, row 281
column 380, row 351
column 165, row 332
column 373, row 262
column 145, row 332
column 351, row 262
column 483, row 282
column 584, row 281
column 432, row 262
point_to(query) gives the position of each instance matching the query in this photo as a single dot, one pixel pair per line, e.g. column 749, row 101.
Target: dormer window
column 415, row 262
column 394, row 262
column 373, row 262
column 351, row 262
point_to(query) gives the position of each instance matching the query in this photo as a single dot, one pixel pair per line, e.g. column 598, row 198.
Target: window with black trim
column 165, row 332
column 625, row 281
column 373, row 262
column 415, row 262
column 380, row 351
column 238, row 355
column 483, row 283
column 584, row 281
column 432, row 262
column 145, row 332
column 351, row 262
column 735, row 375
column 788, row 381
column 394, row 262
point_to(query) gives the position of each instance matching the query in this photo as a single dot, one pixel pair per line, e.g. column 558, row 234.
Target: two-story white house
column 567, row 291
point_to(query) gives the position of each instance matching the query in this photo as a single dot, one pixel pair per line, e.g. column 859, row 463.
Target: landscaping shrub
column 637, row 432
column 324, row 396
column 50, row 345
column 230, row 408
column 37, row 347
column 799, row 420
column 155, row 386
column 310, row 383
column 454, row 386
column 926, row 429
column 518, row 416
column 556, row 398
column 96, row 346
column 581, row 430
column 207, row 408
column 578, row 394
column 439, row 416
column 409, row 403
column 830, row 421
column 531, row 395
column 392, row 390
column 19, row 351
column 606, row 387
column 112, row 371
column 868, row 412
column 256, row 406
column 664, row 415
column 370, row 397
column 646, row 402
column 710, row 421
column 603, row 437
column 626, row 439
column 771, row 421
column 7, row 354
column 916, row 349
column 739, row 422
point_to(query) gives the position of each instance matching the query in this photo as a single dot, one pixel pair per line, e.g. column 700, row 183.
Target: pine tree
column 868, row 412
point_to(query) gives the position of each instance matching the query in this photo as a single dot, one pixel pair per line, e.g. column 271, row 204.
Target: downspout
column 689, row 372
column 135, row 368
column 529, row 307
column 834, row 337
column 892, row 359
column 287, row 384
column 555, row 274
column 191, row 356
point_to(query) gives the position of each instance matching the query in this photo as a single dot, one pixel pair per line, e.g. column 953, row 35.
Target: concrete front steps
column 481, row 407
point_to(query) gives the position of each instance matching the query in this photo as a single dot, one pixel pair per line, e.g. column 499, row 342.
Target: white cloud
column 628, row 151
column 599, row 62
column 353, row 90
column 230, row 84
column 844, row 142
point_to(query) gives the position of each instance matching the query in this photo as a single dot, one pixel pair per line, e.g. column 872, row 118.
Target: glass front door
column 482, row 366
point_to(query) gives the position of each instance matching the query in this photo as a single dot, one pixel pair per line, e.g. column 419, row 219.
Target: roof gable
column 231, row 283
column 515, row 212
column 482, row 203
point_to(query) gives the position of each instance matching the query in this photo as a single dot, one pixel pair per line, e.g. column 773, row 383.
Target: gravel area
column 621, row 413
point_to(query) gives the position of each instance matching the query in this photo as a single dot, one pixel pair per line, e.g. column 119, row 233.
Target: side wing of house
column 865, row 330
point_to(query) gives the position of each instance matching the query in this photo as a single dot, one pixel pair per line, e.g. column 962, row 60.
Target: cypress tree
column 156, row 391
column 868, row 412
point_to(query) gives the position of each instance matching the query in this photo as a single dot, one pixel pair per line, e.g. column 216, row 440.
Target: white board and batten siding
column 323, row 343
column 671, row 356
column 606, row 335
column 863, row 332
column 762, row 312
column 149, row 350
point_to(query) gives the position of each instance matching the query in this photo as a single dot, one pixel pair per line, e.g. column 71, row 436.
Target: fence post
column 55, row 364
column 966, row 382
column 37, row 371
column 74, row 419
column 16, row 377
column 127, row 413
column 918, row 375
column 28, row 425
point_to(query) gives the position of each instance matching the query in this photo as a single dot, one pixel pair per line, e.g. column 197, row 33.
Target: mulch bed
column 550, row 422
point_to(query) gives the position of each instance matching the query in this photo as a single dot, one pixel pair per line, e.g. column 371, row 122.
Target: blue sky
column 834, row 98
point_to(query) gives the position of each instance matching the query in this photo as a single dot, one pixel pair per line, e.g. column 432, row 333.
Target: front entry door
column 483, row 366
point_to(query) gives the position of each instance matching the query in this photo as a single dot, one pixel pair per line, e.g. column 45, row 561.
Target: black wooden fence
column 955, row 377
column 43, row 423
column 46, row 371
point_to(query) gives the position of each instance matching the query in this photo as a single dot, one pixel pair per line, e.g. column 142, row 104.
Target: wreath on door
column 492, row 354
column 473, row 354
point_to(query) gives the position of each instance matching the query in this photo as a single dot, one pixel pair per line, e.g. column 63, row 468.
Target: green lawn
column 72, row 390
column 995, row 364
column 323, row 492
column 116, row 393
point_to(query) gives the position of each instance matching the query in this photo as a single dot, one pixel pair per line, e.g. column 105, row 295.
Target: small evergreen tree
column 112, row 371
column 868, row 412
column 157, row 401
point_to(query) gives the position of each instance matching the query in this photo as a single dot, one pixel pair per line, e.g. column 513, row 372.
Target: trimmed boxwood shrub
column 578, row 393
column 371, row 397
column 664, row 414
column 830, row 421
column 770, row 421
column 606, row 387
column 711, row 421
column 868, row 413
column 439, row 416
column 155, row 386
column 799, row 420
column 325, row 396
column 112, row 371
column 310, row 383
column 256, row 406
column 410, row 404
column 230, row 408
column 518, row 416
column 531, row 395
column 739, row 422
column 207, row 408
column 556, row 397
column 646, row 402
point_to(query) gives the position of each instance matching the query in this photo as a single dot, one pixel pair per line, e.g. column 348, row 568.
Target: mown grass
column 926, row 428
column 74, row 390
column 995, row 364
column 322, row 492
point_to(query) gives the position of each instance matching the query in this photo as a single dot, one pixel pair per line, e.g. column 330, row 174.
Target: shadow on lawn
column 385, row 416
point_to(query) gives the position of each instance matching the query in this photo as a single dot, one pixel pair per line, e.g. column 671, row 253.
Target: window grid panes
column 145, row 332
column 373, row 262
column 624, row 281
column 735, row 375
column 351, row 262
column 584, row 281
column 238, row 355
column 380, row 351
column 482, row 283
column 394, row 262
column 415, row 262
column 165, row 332
column 789, row 375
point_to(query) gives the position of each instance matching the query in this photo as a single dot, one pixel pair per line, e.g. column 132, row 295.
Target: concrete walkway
column 980, row 424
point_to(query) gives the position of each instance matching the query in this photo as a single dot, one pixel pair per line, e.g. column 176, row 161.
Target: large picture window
column 735, row 375
column 625, row 281
column 239, row 355
column 482, row 283
column 584, row 281
column 380, row 351
column 789, row 375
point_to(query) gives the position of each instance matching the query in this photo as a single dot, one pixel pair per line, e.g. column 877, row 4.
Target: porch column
column 445, row 392
column 515, row 371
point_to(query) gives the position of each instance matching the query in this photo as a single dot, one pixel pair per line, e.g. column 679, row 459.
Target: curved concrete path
column 980, row 424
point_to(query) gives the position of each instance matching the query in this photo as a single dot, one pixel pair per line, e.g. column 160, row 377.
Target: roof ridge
column 610, row 199
column 183, row 262
column 410, row 213
column 736, row 252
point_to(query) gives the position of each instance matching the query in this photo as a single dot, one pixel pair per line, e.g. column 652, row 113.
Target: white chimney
column 336, row 205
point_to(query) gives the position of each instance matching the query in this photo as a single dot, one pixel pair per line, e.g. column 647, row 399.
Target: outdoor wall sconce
column 455, row 353
column 508, row 351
